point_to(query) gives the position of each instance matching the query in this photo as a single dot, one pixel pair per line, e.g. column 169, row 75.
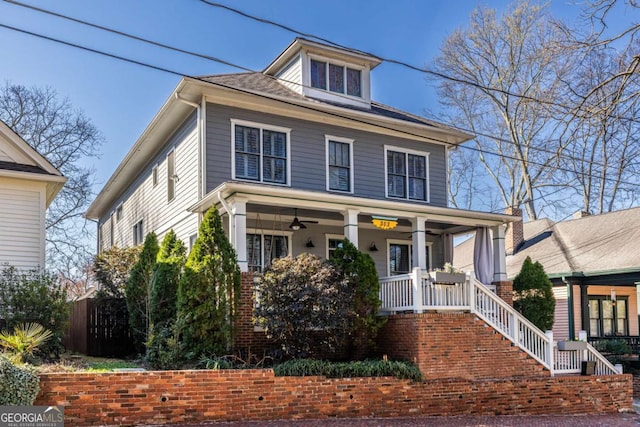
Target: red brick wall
column 195, row 396
column 455, row 345
column 505, row 291
column 247, row 340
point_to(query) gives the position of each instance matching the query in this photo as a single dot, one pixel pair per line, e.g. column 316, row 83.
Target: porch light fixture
column 373, row 247
column 310, row 243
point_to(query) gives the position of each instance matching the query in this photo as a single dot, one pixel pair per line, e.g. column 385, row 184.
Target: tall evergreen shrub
column 359, row 271
column 533, row 294
column 209, row 291
column 138, row 291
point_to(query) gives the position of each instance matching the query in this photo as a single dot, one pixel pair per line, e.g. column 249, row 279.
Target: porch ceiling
column 328, row 208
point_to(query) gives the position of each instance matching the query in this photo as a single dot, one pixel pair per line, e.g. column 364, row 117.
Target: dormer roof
column 342, row 54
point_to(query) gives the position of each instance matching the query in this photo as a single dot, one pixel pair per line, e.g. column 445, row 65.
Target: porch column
column 418, row 238
column 351, row 226
column 499, row 254
column 238, row 232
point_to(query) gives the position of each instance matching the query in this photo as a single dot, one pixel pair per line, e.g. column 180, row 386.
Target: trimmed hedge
column 367, row 368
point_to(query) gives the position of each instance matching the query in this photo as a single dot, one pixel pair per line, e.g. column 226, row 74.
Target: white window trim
column 134, row 228
column 154, row 176
column 410, row 244
column 327, row 60
column 327, row 139
column 261, row 126
column 328, row 237
column 112, row 228
column 172, row 179
column 425, row 154
column 119, row 211
column 263, row 232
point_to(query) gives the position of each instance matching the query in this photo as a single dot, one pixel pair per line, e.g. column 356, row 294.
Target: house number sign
column 384, row 222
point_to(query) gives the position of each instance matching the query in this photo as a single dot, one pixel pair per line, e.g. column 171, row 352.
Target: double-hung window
column 400, row 257
column 261, row 153
column 263, row 249
column 407, row 174
column 607, row 317
column 336, row 78
column 339, row 164
column 138, row 233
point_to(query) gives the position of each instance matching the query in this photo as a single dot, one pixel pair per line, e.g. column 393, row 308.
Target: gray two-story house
column 296, row 158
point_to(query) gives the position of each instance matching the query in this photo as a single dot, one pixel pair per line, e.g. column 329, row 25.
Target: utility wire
column 555, row 153
column 307, row 107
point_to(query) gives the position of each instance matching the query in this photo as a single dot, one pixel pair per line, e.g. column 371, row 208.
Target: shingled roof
column 595, row 244
column 259, row 83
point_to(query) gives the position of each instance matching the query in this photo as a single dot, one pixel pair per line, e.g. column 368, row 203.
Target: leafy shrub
column 614, row 347
column 18, row 385
column 533, row 295
column 138, row 292
column 112, row 268
column 209, row 291
column 24, row 340
column 359, row 271
column 366, row 368
column 304, row 305
column 163, row 346
column 34, row 297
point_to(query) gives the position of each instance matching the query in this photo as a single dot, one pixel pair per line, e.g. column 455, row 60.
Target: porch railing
column 416, row 292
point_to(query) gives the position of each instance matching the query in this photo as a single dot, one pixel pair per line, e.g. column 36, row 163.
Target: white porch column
column 238, row 232
column 351, row 226
column 418, row 237
column 499, row 254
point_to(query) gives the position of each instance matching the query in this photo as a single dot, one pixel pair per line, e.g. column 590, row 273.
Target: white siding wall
column 22, row 223
column 291, row 75
column 146, row 202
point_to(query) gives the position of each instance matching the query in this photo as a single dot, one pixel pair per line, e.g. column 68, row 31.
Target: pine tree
column 138, row 291
column 209, row 291
column 533, row 295
column 359, row 270
column 166, row 279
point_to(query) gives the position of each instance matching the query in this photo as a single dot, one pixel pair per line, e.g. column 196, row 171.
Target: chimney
column 580, row 214
column 514, row 236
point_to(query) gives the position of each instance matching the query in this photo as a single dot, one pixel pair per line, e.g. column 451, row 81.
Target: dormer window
column 336, row 78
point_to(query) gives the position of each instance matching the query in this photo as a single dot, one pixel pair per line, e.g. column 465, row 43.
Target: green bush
column 34, row 297
column 24, row 340
column 304, row 306
column 164, row 348
column 138, row 292
column 18, row 385
column 614, row 347
column 209, row 292
column 533, row 295
column 112, row 268
column 366, row 368
column 359, row 271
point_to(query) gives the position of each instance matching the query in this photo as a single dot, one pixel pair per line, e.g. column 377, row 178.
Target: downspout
column 571, row 314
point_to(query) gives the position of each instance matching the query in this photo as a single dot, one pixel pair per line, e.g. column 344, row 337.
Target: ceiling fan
column 297, row 224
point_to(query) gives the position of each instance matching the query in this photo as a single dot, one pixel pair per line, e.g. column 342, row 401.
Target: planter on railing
column 572, row 345
column 444, row 277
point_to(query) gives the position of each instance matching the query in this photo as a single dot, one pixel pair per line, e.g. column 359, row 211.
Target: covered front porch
column 266, row 222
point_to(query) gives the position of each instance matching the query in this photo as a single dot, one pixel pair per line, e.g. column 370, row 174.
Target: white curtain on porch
column 482, row 256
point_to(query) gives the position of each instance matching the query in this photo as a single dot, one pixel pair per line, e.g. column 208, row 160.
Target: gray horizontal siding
column 308, row 158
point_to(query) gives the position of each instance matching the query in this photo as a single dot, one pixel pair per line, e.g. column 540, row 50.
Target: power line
column 163, row 69
column 555, row 153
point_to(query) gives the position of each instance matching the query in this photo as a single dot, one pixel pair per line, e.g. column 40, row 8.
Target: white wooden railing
column 416, row 292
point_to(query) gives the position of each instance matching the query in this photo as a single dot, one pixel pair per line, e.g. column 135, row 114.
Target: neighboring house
column 28, row 185
column 296, row 158
column 593, row 263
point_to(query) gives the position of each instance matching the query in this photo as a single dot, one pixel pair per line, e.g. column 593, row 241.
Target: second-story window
column 171, row 175
column 336, row 78
column 261, row 153
column 407, row 174
column 339, row 164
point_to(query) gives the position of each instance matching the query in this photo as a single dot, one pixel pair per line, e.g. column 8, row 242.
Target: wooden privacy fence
column 99, row 327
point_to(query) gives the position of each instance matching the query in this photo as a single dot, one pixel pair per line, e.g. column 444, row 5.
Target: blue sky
column 122, row 98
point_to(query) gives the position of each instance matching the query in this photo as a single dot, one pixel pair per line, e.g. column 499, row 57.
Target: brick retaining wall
column 193, row 396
